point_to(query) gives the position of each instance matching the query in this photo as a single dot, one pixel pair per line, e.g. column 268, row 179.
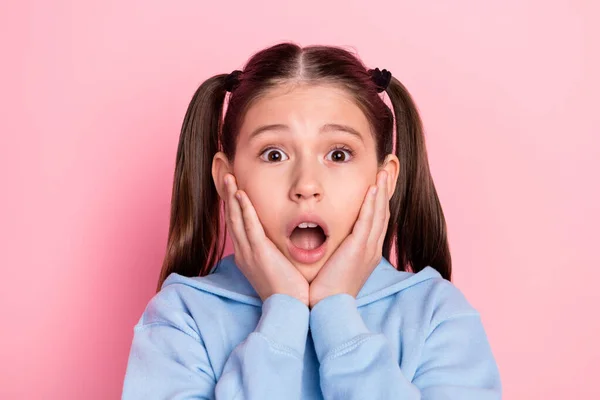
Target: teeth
column 307, row 225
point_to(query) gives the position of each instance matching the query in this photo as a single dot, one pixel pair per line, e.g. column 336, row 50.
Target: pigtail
column 195, row 223
column 416, row 216
column 196, row 241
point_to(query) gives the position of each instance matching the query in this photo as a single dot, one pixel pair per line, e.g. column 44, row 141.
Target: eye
column 273, row 154
column 339, row 155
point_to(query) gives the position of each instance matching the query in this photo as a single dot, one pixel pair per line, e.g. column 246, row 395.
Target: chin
column 309, row 271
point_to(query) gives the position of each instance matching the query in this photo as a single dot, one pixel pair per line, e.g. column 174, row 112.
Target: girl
column 315, row 198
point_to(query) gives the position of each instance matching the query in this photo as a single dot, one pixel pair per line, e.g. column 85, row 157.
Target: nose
column 306, row 184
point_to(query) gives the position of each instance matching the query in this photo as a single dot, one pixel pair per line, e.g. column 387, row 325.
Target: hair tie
column 381, row 78
column 232, row 80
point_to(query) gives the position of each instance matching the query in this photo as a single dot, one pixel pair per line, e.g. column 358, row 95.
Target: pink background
column 93, row 95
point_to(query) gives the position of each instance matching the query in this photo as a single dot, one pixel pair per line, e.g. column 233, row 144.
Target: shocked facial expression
column 305, row 151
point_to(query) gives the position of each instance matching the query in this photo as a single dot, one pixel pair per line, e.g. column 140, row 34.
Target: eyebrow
column 324, row 129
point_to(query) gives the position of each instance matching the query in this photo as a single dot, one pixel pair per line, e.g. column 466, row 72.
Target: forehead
column 305, row 107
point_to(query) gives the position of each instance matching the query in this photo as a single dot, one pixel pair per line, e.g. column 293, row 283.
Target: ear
column 391, row 164
column 220, row 167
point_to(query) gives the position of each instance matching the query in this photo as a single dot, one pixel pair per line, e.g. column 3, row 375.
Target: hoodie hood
column 227, row 280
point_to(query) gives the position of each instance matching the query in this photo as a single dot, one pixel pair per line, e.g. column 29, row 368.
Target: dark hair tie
column 232, row 80
column 381, row 78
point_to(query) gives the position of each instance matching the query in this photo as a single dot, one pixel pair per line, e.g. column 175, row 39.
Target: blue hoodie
column 405, row 336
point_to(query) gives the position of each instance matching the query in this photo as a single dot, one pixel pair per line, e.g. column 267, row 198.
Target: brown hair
column 416, row 227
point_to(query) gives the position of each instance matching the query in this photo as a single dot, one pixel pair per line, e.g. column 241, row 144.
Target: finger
column 228, row 224
column 385, row 226
column 228, row 219
column 363, row 224
column 235, row 217
column 386, row 221
column 380, row 212
column 254, row 229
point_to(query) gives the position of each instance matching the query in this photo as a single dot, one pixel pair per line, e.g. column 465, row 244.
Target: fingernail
column 374, row 190
column 238, row 196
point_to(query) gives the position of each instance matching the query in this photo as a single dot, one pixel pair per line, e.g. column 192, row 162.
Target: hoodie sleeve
column 169, row 359
column 456, row 360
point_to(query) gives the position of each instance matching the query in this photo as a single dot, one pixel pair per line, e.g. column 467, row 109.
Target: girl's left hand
column 354, row 260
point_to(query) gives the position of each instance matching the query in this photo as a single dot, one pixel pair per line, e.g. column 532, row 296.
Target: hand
column 354, row 260
column 266, row 268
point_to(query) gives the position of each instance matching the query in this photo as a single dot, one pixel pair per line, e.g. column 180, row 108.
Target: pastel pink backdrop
column 93, row 95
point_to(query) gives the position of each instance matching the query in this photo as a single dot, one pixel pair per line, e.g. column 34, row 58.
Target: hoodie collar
column 225, row 279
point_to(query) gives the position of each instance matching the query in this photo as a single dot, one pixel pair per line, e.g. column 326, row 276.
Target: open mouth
column 308, row 238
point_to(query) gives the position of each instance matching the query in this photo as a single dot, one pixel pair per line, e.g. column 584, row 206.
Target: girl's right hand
column 266, row 268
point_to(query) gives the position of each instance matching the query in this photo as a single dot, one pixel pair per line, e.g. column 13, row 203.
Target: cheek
column 348, row 207
column 268, row 208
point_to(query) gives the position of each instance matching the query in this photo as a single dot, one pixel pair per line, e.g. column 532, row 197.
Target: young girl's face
column 296, row 168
